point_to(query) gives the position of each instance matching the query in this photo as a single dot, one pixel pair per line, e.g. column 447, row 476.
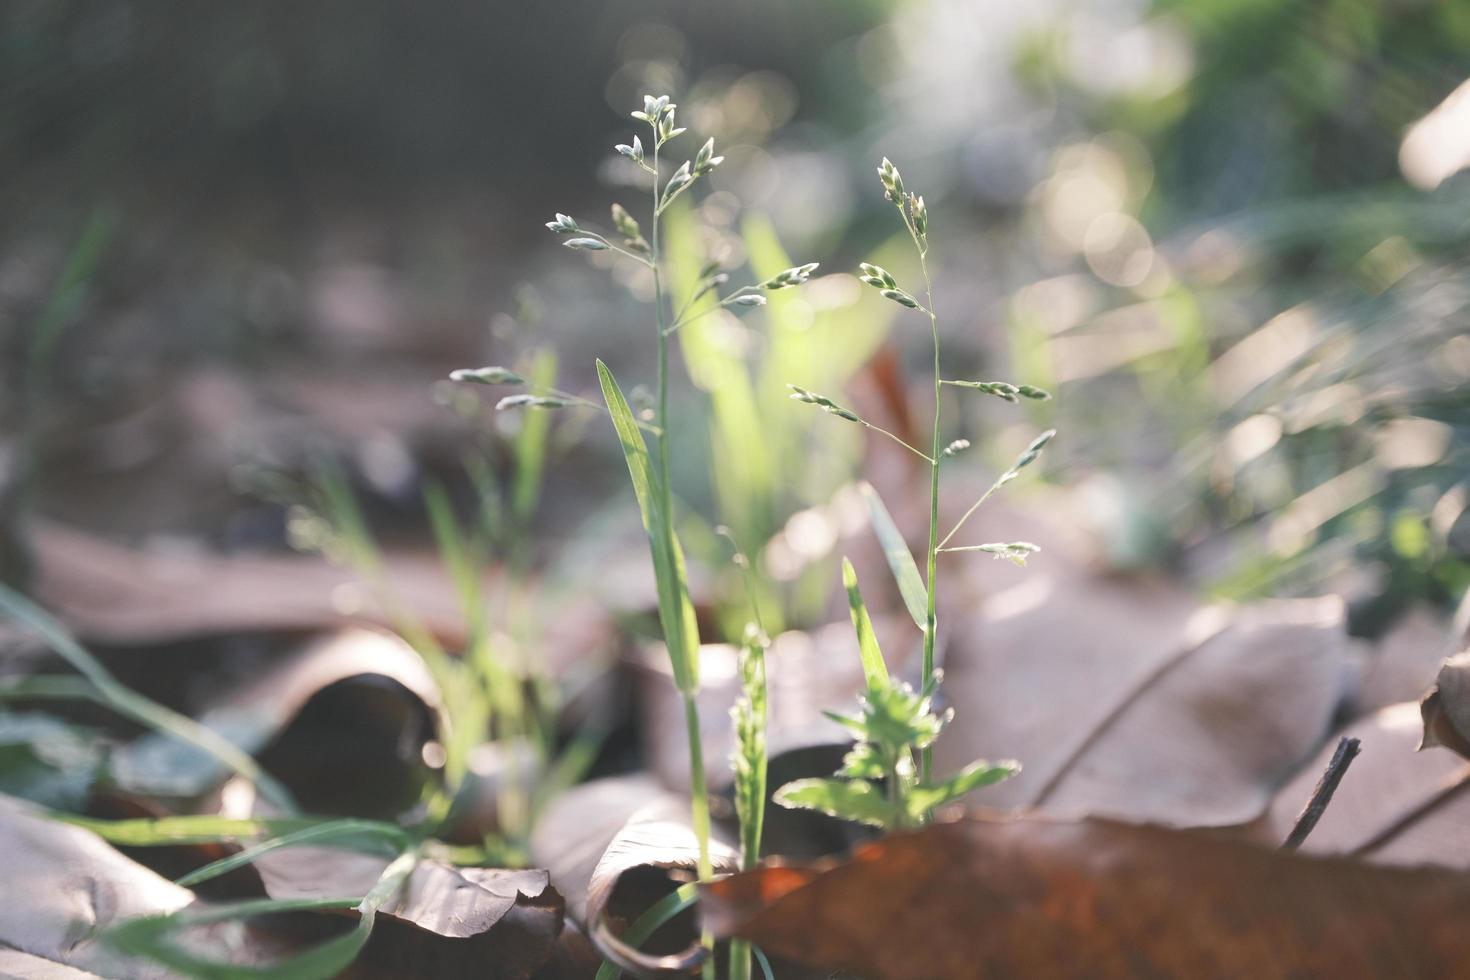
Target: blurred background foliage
column 1229, row 235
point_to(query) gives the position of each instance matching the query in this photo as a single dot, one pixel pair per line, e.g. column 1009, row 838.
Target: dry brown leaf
column 383, row 730
column 1123, row 698
column 1404, row 661
column 15, row 965
column 1446, row 708
column 447, row 921
column 1096, row 899
column 609, row 843
column 66, row 885
column 106, row 592
column 1393, row 806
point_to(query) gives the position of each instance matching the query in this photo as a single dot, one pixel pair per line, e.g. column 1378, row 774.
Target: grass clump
column 887, row 779
column 649, row 469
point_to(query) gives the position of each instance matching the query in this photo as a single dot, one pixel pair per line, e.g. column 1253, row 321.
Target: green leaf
column 856, row 800
column 874, row 669
column 923, row 799
column 900, row 559
column 676, row 612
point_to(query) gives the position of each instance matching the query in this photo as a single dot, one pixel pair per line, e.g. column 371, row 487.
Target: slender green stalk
column 931, row 625
column 698, row 792
column 897, row 724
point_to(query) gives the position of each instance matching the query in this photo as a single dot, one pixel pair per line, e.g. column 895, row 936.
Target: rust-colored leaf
column 1096, row 899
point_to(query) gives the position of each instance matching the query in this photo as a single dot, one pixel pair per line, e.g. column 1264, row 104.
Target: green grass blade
column 125, row 701
column 164, row 831
column 874, row 669
column 650, row 921
column 348, row 834
column 152, row 936
column 676, row 612
column 900, row 559
column 530, row 444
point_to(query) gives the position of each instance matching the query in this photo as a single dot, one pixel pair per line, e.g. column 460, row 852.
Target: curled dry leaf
column 609, row 844
column 1096, row 899
column 392, row 720
column 447, row 921
column 1124, row 698
column 1446, row 708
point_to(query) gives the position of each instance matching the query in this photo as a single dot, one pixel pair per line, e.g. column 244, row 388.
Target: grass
column 887, row 779
column 650, row 471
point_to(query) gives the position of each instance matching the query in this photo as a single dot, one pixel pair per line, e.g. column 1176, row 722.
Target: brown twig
column 1347, row 751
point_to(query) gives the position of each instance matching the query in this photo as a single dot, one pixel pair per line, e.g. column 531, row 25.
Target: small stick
column 1347, row 751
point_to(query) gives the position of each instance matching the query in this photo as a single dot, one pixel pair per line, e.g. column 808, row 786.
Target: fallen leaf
column 1121, row 697
column 121, row 596
column 64, row 885
column 988, row 897
column 447, row 921
column 1393, row 806
column 106, row 592
column 609, row 845
column 1403, row 663
column 380, row 728
column 15, row 965
column 1446, row 708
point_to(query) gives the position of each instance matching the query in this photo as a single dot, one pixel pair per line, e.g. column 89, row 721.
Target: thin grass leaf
column 152, row 936
column 874, row 669
column 200, row 829
column 125, row 701
column 900, row 559
column 760, row 957
column 676, row 612
column 346, row 834
column 650, row 922
column 531, row 442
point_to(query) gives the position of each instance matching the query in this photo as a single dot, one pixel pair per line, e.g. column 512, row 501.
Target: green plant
column 650, row 473
column 763, row 470
column 898, row 725
column 749, row 759
column 487, row 695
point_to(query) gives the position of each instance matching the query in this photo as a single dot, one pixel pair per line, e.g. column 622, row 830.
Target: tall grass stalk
column 880, row 782
column 651, row 474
